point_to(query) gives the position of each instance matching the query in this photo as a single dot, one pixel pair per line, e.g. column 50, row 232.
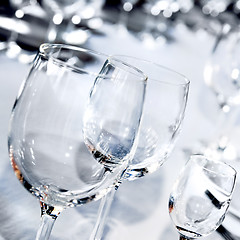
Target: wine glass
column 66, row 148
column 222, row 75
column 164, row 109
column 201, row 196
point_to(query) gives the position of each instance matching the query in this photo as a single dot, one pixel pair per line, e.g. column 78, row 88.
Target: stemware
column 201, row 196
column 164, row 109
column 221, row 74
column 66, row 147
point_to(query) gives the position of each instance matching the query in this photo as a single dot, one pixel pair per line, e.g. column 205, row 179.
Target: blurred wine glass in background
column 222, row 75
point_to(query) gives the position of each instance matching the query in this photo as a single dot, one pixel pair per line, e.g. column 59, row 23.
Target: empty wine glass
column 164, row 109
column 66, row 148
column 201, row 196
column 222, row 75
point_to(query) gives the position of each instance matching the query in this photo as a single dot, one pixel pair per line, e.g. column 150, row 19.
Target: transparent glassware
column 222, row 75
column 201, row 196
column 73, row 127
column 159, row 127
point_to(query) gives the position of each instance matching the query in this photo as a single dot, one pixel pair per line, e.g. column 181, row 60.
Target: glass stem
column 103, row 212
column 226, row 121
column 220, row 146
column 225, row 125
column 48, row 217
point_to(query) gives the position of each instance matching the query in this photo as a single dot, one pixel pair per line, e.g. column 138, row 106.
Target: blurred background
column 25, row 24
column 179, row 34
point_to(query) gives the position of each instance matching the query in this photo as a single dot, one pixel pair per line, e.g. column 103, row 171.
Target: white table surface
column 140, row 209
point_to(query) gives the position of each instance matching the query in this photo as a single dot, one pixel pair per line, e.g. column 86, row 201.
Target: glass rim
column 231, row 169
column 185, row 80
column 135, row 71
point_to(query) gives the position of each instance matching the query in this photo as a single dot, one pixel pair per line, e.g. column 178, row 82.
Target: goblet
column 164, row 109
column 201, row 196
column 66, row 147
column 222, row 75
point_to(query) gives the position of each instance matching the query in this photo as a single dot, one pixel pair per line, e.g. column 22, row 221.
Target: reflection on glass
column 66, row 149
column 201, row 196
column 159, row 128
